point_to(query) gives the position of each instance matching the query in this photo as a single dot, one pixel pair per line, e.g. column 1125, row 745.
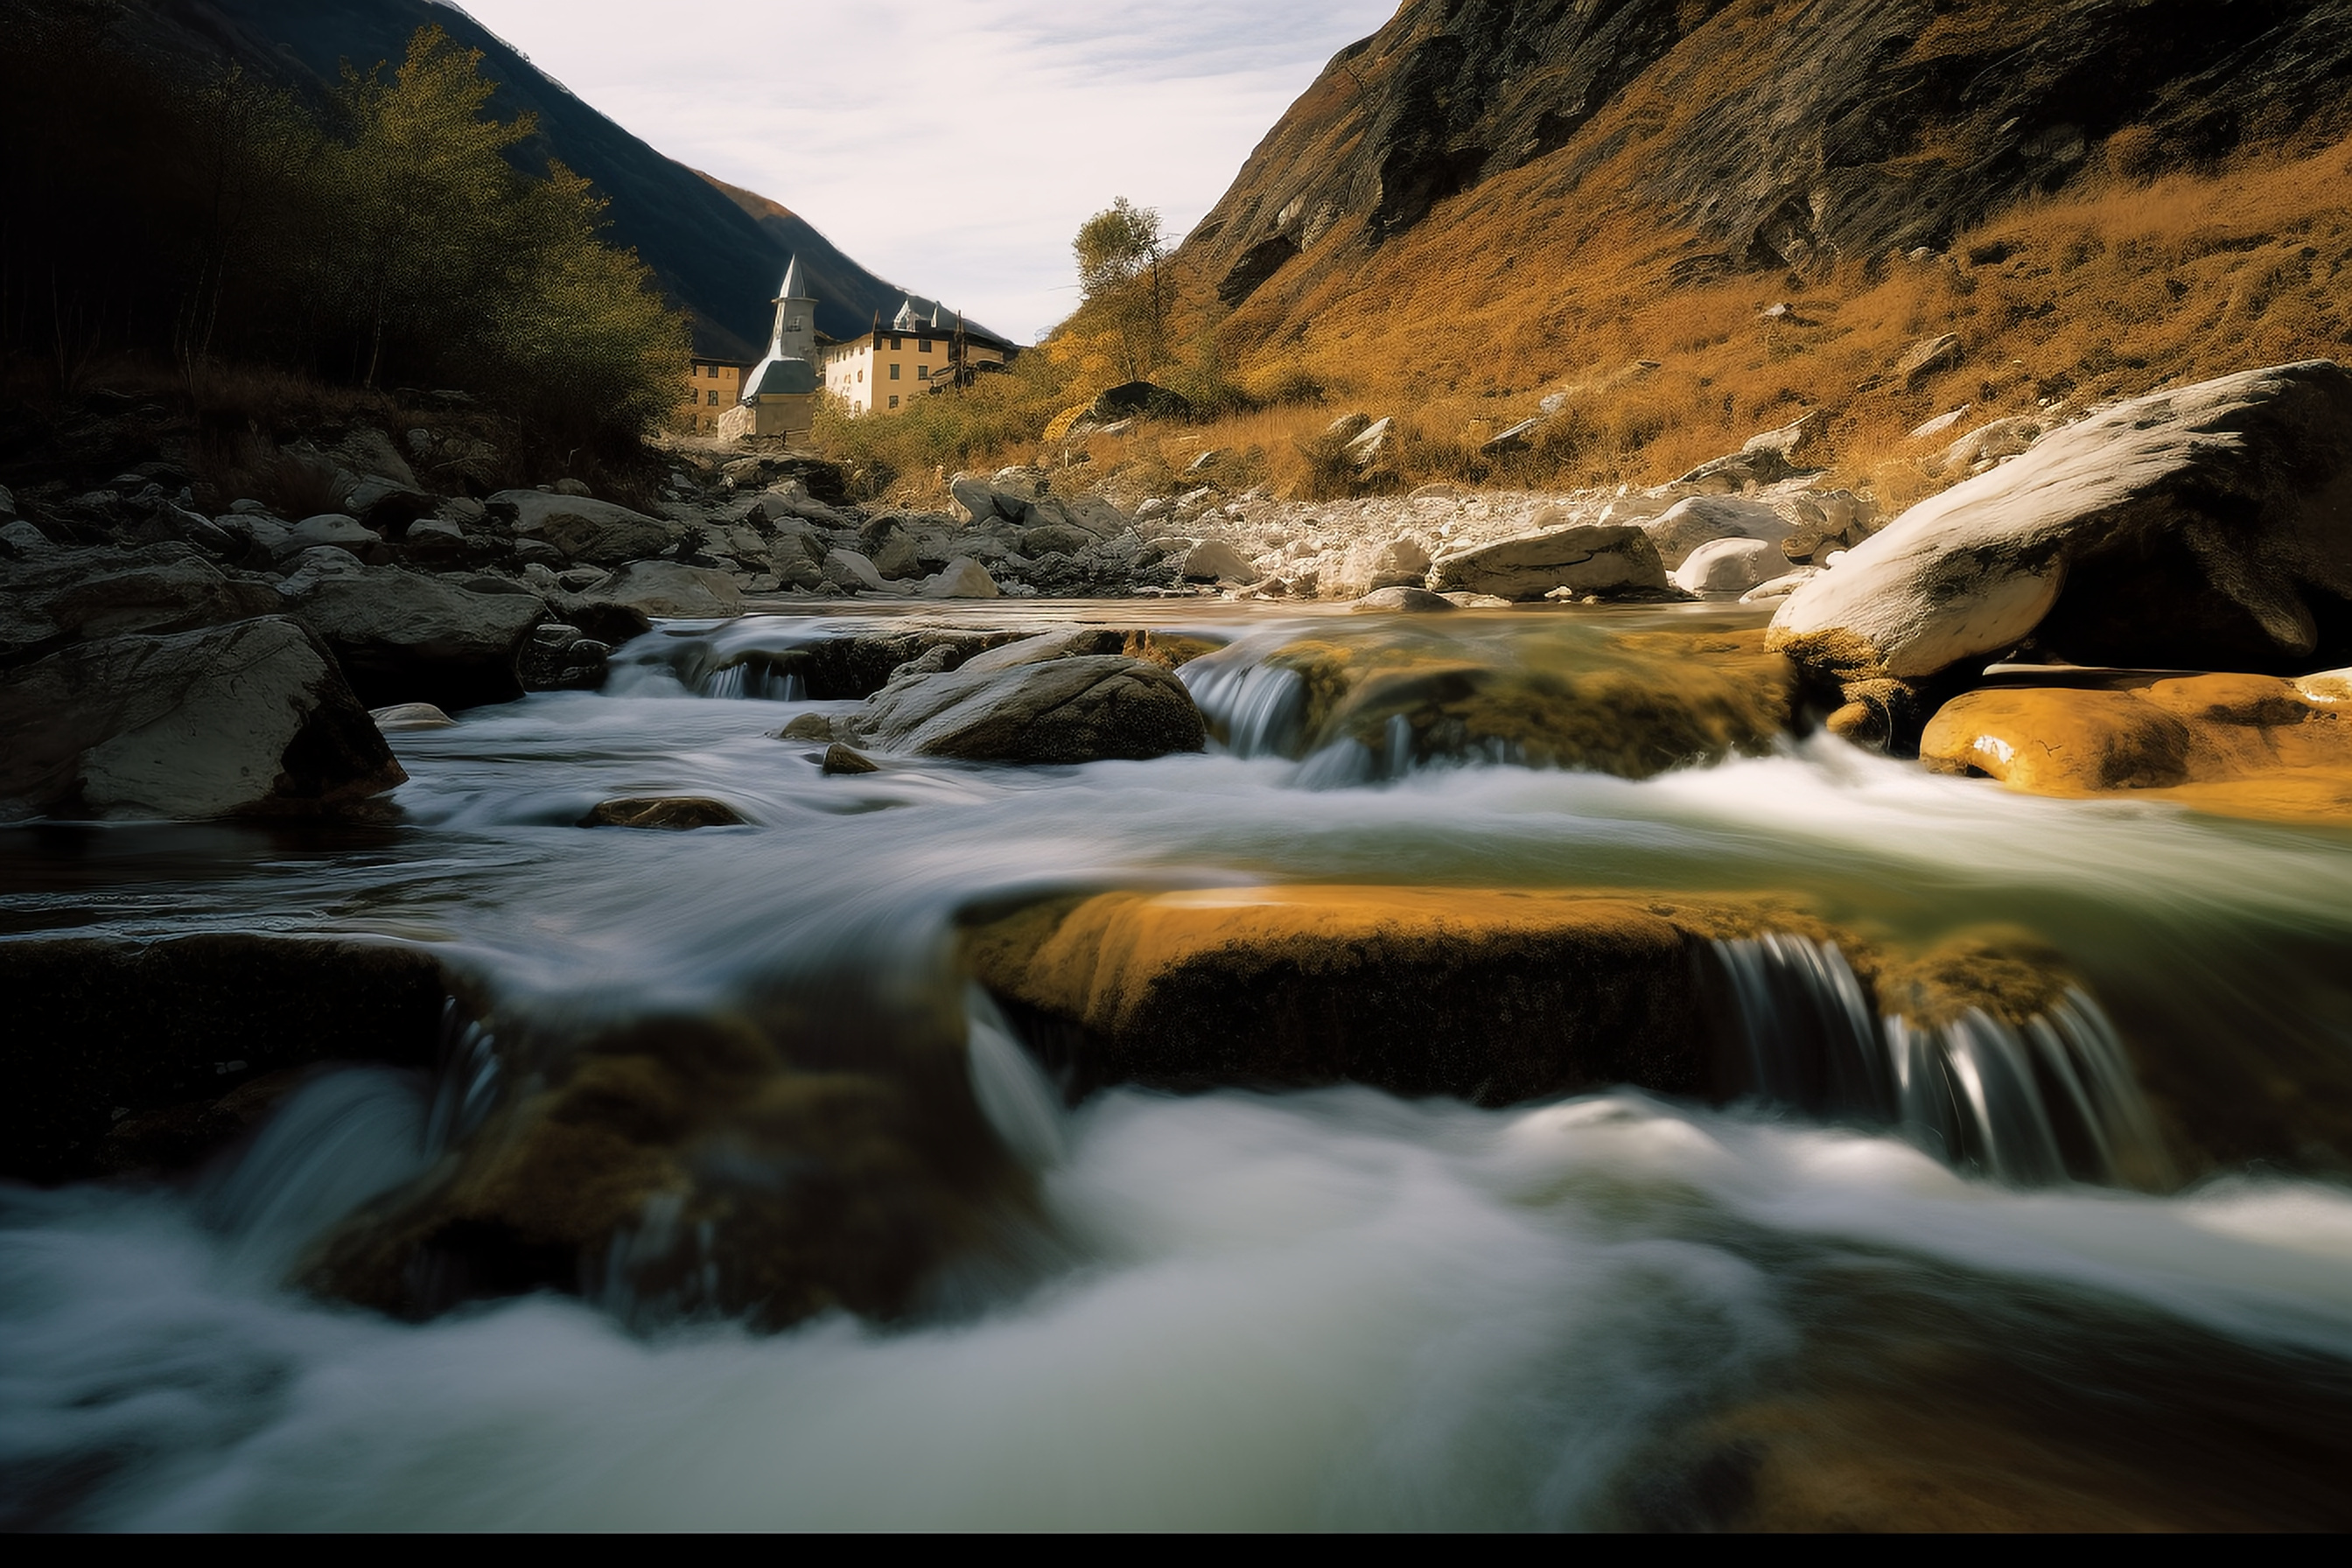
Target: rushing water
column 2096, row 1270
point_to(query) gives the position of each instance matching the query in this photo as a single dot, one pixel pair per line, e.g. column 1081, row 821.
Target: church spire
column 794, row 336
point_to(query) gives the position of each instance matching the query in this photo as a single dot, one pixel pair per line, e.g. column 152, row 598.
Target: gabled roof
column 780, row 377
column 904, row 321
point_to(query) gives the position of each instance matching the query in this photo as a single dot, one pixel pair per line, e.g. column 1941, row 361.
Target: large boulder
column 1730, row 566
column 252, row 719
column 1493, row 994
column 2205, row 527
column 52, row 596
column 663, row 589
column 1130, row 398
column 1702, row 520
column 1215, row 561
column 1605, row 560
column 961, row 579
column 1077, row 710
column 601, row 533
column 136, row 1054
column 402, row 637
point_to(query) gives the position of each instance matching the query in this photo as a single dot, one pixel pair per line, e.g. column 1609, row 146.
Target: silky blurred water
column 1327, row 1308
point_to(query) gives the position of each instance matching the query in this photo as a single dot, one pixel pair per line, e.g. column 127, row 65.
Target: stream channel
column 1318, row 1308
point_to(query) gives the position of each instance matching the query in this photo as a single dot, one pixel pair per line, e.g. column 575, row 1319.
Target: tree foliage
column 1121, row 254
column 386, row 235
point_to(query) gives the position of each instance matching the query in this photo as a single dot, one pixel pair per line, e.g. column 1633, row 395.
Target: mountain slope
column 1697, row 219
column 1771, row 132
column 713, row 258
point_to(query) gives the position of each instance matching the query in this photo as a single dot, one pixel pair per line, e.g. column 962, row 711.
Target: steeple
column 795, row 332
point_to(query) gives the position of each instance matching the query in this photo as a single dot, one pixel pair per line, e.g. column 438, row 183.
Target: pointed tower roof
column 905, row 319
column 940, row 317
column 796, row 285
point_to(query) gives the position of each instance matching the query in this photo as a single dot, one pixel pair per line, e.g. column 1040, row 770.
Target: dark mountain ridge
column 713, row 259
column 1778, row 132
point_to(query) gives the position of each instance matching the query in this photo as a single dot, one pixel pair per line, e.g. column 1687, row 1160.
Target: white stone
column 1729, row 566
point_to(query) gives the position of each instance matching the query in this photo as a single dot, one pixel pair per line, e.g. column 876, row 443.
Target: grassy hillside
column 2106, row 196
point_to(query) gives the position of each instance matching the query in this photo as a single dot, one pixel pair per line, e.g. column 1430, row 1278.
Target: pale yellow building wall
column 712, row 387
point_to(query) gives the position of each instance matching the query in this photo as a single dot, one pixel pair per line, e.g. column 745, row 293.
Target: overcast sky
column 952, row 146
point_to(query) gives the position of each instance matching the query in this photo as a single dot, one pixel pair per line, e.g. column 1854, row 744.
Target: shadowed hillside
column 712, row 257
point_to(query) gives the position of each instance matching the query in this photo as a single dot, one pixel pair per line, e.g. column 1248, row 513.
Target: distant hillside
column 713, row 258
column 1698, row 217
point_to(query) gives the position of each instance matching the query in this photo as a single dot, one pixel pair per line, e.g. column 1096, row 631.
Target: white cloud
column 953, row 146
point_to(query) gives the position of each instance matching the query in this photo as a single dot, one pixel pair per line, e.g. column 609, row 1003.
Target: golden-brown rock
column 2245, row 745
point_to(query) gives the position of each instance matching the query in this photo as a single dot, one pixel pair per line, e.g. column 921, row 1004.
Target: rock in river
column 2244, row 744
column 2204, row 528
column 405, row 638
column 248, row 720
column 102, row 1033
column 1079, row 709
column 1589, row 559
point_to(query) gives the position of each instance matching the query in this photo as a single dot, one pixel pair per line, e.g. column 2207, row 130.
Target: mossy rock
column 1635, row 706
column 694, row 1164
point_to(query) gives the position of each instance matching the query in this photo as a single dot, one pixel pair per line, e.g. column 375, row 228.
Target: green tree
column 1121, row 281
column 578, row 341
column 422, row 194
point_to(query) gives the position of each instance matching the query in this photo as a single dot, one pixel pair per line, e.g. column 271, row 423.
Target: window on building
column 894, row 370
column 922, row 373
column 923, row 346
column 861, row 373
column 714, row 397
column 897, row 341
column 894, row 400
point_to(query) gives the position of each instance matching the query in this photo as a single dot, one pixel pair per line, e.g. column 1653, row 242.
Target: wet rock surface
column 105, row 1032
column 635, row 1157
column 1081, row 708
column 250, row 719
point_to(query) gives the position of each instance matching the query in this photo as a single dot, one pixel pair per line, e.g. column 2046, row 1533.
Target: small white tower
column 795, row 334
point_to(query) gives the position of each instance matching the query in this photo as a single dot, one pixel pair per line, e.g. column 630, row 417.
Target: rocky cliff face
column 1774, row 132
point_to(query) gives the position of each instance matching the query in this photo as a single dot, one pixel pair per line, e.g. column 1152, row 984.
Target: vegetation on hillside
column 258, row 244
column 2157, row 259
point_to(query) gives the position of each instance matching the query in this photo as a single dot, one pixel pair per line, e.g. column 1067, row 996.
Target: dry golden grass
column 1565, row 275
column 2116, row 287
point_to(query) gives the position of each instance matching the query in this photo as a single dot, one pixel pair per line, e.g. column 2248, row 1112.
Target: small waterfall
column 468, row 1087
column 1260, row 707
column 336, row 1143
column 2052, row 1100
column 757, row 680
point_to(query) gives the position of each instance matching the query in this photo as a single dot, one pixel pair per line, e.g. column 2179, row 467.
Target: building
column 712, row 387
column 889, row 367
column 778, row 396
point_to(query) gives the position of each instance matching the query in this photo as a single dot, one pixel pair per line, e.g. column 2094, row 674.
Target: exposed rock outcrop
column 2207, row 528
column 1609, row 561
column 1069, row 709
column 102, row 1033
column 402, row 637
column 252, row 719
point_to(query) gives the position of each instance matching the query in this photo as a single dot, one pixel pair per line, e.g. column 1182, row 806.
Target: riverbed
column 1327, row 1308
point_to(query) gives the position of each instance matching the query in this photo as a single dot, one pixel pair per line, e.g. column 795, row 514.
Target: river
column 1322, row 1308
